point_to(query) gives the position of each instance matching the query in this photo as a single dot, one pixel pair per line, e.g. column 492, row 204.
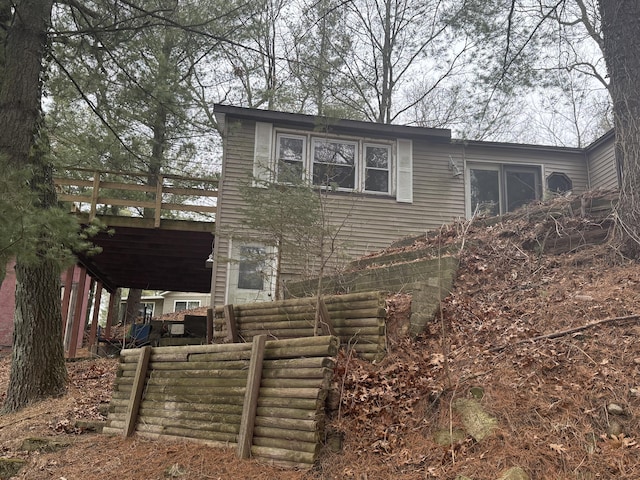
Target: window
column 290, row 153
column 334, row 163
column 521, row 186
column 180, row 305
column 496, row 189
column 341, row 162
column 559, row 183
column 252, row 268
column 485, row 191
column 376, row 168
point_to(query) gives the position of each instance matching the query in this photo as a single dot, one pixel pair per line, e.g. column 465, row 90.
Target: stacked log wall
column 198, row 392
column 359, row 320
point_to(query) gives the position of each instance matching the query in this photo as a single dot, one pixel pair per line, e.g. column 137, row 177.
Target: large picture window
column 334, row 163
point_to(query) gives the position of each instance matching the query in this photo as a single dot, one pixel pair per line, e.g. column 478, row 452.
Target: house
column 160, row 303
column 388, row 181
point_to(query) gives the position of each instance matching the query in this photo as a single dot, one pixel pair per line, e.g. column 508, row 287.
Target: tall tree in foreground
column 621, row 29
column 38, row 368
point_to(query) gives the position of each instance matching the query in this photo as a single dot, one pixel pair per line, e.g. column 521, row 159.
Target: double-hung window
column 345, row 164
column 290, row 155
column 377, row 168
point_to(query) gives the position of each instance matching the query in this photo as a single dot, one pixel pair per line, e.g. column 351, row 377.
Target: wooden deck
column 125, row 198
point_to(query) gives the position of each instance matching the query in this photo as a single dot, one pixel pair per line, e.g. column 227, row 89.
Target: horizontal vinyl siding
column 237, row 164
column 371, row 222
column 602, row 166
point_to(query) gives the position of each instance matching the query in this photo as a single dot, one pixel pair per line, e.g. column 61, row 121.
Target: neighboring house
column 392, row 181
column 154, row 306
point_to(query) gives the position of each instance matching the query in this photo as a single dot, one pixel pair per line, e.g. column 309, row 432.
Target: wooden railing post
column 158, row 212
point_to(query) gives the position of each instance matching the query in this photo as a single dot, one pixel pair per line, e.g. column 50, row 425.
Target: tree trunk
column 38, row 368
column 621, row 30
column 133, row 305
column 37, row 365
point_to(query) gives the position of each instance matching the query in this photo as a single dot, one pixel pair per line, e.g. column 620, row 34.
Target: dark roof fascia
column 334, row 125
column 518, row 146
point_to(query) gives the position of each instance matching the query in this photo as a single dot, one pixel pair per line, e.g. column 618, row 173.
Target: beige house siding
column 371, row 222
column 571, row 162
column 602, row 163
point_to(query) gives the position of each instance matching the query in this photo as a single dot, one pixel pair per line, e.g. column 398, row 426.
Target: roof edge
column 323, row 123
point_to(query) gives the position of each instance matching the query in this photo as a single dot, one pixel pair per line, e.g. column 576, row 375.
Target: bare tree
column 399, row 44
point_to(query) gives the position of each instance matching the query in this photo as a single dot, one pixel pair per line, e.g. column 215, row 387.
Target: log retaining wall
column 358, row 320
column 266, row 397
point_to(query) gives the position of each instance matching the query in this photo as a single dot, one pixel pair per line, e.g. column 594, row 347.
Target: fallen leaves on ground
column 532, row 273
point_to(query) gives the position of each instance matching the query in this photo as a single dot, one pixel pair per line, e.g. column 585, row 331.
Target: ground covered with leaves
column 541, row 328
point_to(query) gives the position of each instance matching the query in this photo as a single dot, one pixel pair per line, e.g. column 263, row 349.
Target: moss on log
column 309, row 447
column 151, row 416
column 297, row 435
column 282, row 454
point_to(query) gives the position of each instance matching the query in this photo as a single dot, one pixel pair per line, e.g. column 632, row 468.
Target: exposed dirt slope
column 518, row 279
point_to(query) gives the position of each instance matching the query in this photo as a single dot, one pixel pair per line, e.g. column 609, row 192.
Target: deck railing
column 103, row 192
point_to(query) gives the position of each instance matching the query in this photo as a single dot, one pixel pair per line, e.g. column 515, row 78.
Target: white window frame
column 356, row 156
column 502, row 169
column 365, row 168
column 360, row 168
column 305, row 153
column 186, row 302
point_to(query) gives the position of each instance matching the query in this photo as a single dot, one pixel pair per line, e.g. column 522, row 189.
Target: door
column 495, row 189
column 522, row 185
column 485, row 191
column 250, row 274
